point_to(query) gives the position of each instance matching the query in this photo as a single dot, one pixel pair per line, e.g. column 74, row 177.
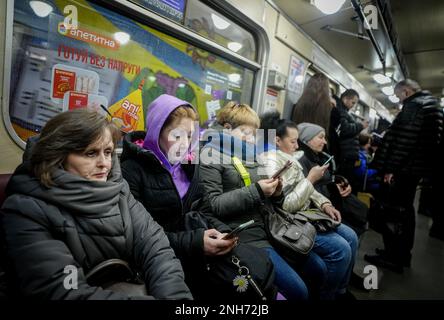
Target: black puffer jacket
column 353, row 211
column 413, row 139
column 82, row 223
column 348, row 131
column 324, row 185
column 153, row 186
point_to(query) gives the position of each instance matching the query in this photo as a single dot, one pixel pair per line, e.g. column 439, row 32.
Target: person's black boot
column 405, row 262
column 384, row 262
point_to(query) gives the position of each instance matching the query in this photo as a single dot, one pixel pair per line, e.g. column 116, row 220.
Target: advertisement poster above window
column 102, row 58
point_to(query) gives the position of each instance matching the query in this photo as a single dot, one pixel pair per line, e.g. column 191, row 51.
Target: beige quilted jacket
column 299, row 191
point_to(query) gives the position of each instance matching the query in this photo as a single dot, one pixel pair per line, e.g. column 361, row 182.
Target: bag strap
column 364, row 186
column 242, row 171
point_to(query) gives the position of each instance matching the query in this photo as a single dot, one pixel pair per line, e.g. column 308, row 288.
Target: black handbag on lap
column 244, row 274
column 232, row 273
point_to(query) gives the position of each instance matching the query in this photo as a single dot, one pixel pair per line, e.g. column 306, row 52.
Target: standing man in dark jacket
column 405, row 156
column 348, row 131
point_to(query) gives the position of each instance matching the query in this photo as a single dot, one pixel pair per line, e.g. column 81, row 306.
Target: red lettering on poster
column 86, row 57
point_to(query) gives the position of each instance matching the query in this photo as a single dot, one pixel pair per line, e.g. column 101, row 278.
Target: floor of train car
column 423, row 280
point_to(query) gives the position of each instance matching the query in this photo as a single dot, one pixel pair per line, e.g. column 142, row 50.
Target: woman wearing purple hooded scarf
column 159, row 170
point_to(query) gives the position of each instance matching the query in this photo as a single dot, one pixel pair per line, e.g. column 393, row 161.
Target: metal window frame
column 7, row 62
column 152, row 19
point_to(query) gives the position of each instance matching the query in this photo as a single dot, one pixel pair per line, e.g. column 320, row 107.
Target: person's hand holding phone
column 388, row 178
column 268, row 186
column 316, row 173
column 279, row 188
column 344, row 189
column 214, row 245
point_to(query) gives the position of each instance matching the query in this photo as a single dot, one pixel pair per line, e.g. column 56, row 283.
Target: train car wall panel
column 252, row 8
column 289, row 35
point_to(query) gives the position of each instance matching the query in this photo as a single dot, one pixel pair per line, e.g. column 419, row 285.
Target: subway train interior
column 118, row 56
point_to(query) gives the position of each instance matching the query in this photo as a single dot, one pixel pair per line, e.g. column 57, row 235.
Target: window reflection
column 210, row 24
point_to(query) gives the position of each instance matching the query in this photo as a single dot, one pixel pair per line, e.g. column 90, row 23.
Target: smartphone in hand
column 237, row 230
column 328, row 160
column 282, row 170
column 341, row 181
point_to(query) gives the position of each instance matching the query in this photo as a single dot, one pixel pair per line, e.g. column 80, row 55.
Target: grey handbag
column 320, row 220
column 290, row 233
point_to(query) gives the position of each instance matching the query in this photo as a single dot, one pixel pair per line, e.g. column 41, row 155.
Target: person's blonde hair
column 238, row 114
column 180, row 112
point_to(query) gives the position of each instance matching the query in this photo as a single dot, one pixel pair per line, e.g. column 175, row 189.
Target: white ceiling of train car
column 421, row 53
column 420, row 28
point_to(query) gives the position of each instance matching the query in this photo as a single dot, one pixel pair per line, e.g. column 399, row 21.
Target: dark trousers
column 399, row 244
column 426, row 198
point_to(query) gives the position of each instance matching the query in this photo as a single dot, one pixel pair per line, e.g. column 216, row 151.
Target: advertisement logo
column 63, row 30
column 88, row 36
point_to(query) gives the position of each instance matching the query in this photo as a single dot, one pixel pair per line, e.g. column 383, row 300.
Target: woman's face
column 289, row 143
column 244, row 132
column 95, row 162
column 175, row 139
column 318, row 142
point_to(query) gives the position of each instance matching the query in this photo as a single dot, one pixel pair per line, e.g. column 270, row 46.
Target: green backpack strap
column 242, row 171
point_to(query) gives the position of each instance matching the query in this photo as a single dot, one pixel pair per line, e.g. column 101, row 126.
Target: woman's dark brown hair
column 68, row 132
column 314, row 106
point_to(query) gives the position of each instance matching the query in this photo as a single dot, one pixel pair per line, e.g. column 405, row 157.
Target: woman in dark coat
column 159, row 168
column 70, row 210
column 336, row 188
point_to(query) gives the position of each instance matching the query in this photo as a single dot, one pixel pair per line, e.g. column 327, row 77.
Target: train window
column 210, row 24
column 73, row 54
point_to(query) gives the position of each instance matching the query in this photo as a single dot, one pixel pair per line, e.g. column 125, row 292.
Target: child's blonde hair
column 238, row 114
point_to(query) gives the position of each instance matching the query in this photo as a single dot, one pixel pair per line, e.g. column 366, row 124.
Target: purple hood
column 158, row 112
